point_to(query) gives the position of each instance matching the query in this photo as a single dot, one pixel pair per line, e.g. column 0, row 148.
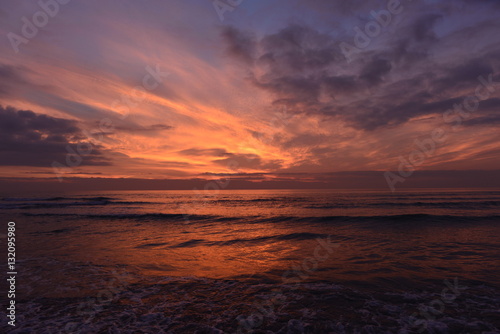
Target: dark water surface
column 273, row 261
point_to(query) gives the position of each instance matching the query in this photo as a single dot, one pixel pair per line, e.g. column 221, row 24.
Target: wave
column 278, row 237
column 58, row 231
column 46, row 199
column 54, row 205
column 62, row 202
column 443, row 204
column 429, row 194
column 133, row 216
column 400, row 219
column 448, row 204
column 412, row 218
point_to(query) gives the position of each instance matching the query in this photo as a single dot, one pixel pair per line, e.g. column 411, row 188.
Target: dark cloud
column 300, row 66
column 306, row 140
column 462, row 75
column 375, row 70
column 394, row 114
column 423, row 28
column 213, row 152
column 8, row 72
column 294, row 61
column 129, row 127
column 233, row 160
column 491, row 120
column 9, row 76
column 488, row 113
column 248, row 161
column 492, row 104
column 339, row 84
column 242, row 45
column 30, row 139
column 298, row 48
column 412, row 68
column 351, row 8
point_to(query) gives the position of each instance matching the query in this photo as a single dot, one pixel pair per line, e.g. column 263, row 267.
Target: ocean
column 256, row 261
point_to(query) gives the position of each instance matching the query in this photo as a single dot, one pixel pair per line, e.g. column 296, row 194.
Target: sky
column 316, row 92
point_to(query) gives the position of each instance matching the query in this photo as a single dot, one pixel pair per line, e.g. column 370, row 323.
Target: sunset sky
column 167, row 90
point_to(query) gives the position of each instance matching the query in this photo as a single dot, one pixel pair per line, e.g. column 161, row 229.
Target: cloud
column 211, row 152
column 491, row 120
column 398, row 78
column 241, row 45
column 249, row 161
column 423, row 28
column 375, row 70
column 9, row 76
column 129, row 127
column 30, row 139
column 20, row 82
column 234, row 160
column 463, row 75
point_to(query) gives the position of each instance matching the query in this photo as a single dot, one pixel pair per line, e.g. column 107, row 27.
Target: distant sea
column 256, row 261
